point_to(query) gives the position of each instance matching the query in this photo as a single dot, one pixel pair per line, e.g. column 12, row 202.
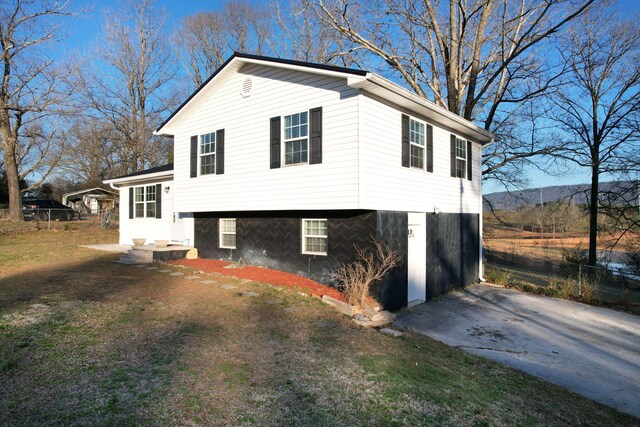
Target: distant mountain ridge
column 628, row 193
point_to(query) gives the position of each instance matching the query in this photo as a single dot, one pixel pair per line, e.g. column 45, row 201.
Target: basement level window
column 227, row 233
column 314, row 236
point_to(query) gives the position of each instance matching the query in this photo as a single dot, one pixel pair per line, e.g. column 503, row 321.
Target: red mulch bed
column 260, row 274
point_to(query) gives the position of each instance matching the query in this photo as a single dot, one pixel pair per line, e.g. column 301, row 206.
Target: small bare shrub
column 497, row 276
column 575, row 255
column 369, row 266
column 566, row 289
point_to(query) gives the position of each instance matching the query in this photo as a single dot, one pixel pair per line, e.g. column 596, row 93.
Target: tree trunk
column 593, row 213
column 13, row 178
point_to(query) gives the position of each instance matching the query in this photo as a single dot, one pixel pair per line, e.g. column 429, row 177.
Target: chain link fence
column 52, row 218
column 563, row 279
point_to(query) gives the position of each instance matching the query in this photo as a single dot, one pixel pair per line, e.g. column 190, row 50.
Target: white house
column 290, row 164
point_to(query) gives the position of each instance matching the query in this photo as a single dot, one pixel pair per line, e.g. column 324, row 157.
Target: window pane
column 151, row 209
column 229, row 240
column 417, row 157
column 461, row 149
column 139, row 194
column 461, row 169
column 228, row 225
column 207, row 164
column 151, row 193
column 208, row 143
column 139, row 210
column 316, row 244
column 416, row 133
column 296, row 152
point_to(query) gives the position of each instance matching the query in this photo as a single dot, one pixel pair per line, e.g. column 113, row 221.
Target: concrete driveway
column 592, row 351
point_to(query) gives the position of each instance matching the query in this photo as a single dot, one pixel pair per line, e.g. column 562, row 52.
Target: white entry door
column 417, row 258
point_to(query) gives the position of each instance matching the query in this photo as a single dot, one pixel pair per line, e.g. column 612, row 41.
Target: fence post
column 49, row 220
column 579, row 280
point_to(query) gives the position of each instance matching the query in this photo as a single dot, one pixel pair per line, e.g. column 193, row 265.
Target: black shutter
column 130, row 202
column 405, row 141
column 194, row 156
column 469, row 161
column 453, row 155
column 315, row 133
column 158, row 201
column 220, row 152
column 275, row 142
column 429, row 148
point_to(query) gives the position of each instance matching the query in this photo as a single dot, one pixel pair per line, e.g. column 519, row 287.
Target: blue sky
column 83, row 31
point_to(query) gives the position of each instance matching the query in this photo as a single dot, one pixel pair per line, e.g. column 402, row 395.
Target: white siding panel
column 169, row 227
column 248, row 183
column 386, row 185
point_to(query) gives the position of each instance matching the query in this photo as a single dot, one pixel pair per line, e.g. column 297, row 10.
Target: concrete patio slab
column 591, row 351
column 109, row 247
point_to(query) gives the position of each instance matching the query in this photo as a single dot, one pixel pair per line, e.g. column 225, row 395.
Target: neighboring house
column 91, row 200
column 289, row 165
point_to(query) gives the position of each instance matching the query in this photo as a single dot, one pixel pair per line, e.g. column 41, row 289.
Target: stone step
column 143, row 256
column 126, row 259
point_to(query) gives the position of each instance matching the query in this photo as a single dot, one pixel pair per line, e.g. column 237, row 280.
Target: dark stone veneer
column 273, row 239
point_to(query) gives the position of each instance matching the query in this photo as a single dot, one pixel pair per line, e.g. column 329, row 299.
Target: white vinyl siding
column 386, row 185
column 248, row 182
column 171, row 225
column 314, row 236
column 227, row 233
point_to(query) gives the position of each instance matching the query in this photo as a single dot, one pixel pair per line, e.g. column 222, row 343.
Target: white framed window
column 417, row 143
column 296, row 138
column 461, row 158
column 314, row 236
column 144, row 201
column 227, row 227
column 207, row 154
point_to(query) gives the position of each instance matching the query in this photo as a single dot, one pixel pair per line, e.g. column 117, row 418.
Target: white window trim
column 303, row 242
column 283, row 146
column 424, row 147
column 214, row 153
column 144, row 202
column 465, row 159
column 221, row 233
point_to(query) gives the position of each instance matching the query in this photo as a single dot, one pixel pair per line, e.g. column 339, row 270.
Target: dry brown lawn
column 85, row 341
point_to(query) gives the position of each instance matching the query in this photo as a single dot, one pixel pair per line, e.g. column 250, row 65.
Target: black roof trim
column 335, row 68
column 163, row 168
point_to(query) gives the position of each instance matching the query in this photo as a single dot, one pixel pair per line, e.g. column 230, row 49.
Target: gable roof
column 358, row 79
column 281, row 61
column 158, row 171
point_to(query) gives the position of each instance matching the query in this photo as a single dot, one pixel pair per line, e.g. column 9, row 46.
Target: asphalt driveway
column 589, row 350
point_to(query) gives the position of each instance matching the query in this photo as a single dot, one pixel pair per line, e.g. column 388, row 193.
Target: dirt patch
column 261, row 274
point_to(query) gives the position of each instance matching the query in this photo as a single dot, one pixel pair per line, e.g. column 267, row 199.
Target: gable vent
column 247, row 87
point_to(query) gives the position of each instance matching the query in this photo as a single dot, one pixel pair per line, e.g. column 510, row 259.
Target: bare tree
column 597, row 111
column 304, row 37
column 128, row 84
column 93, row 154
column 481, row 59
column 204, row 40
column 32, row 92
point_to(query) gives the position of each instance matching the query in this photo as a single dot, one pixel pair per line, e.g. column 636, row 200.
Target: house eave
column 118, row 182
column 385, row 89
